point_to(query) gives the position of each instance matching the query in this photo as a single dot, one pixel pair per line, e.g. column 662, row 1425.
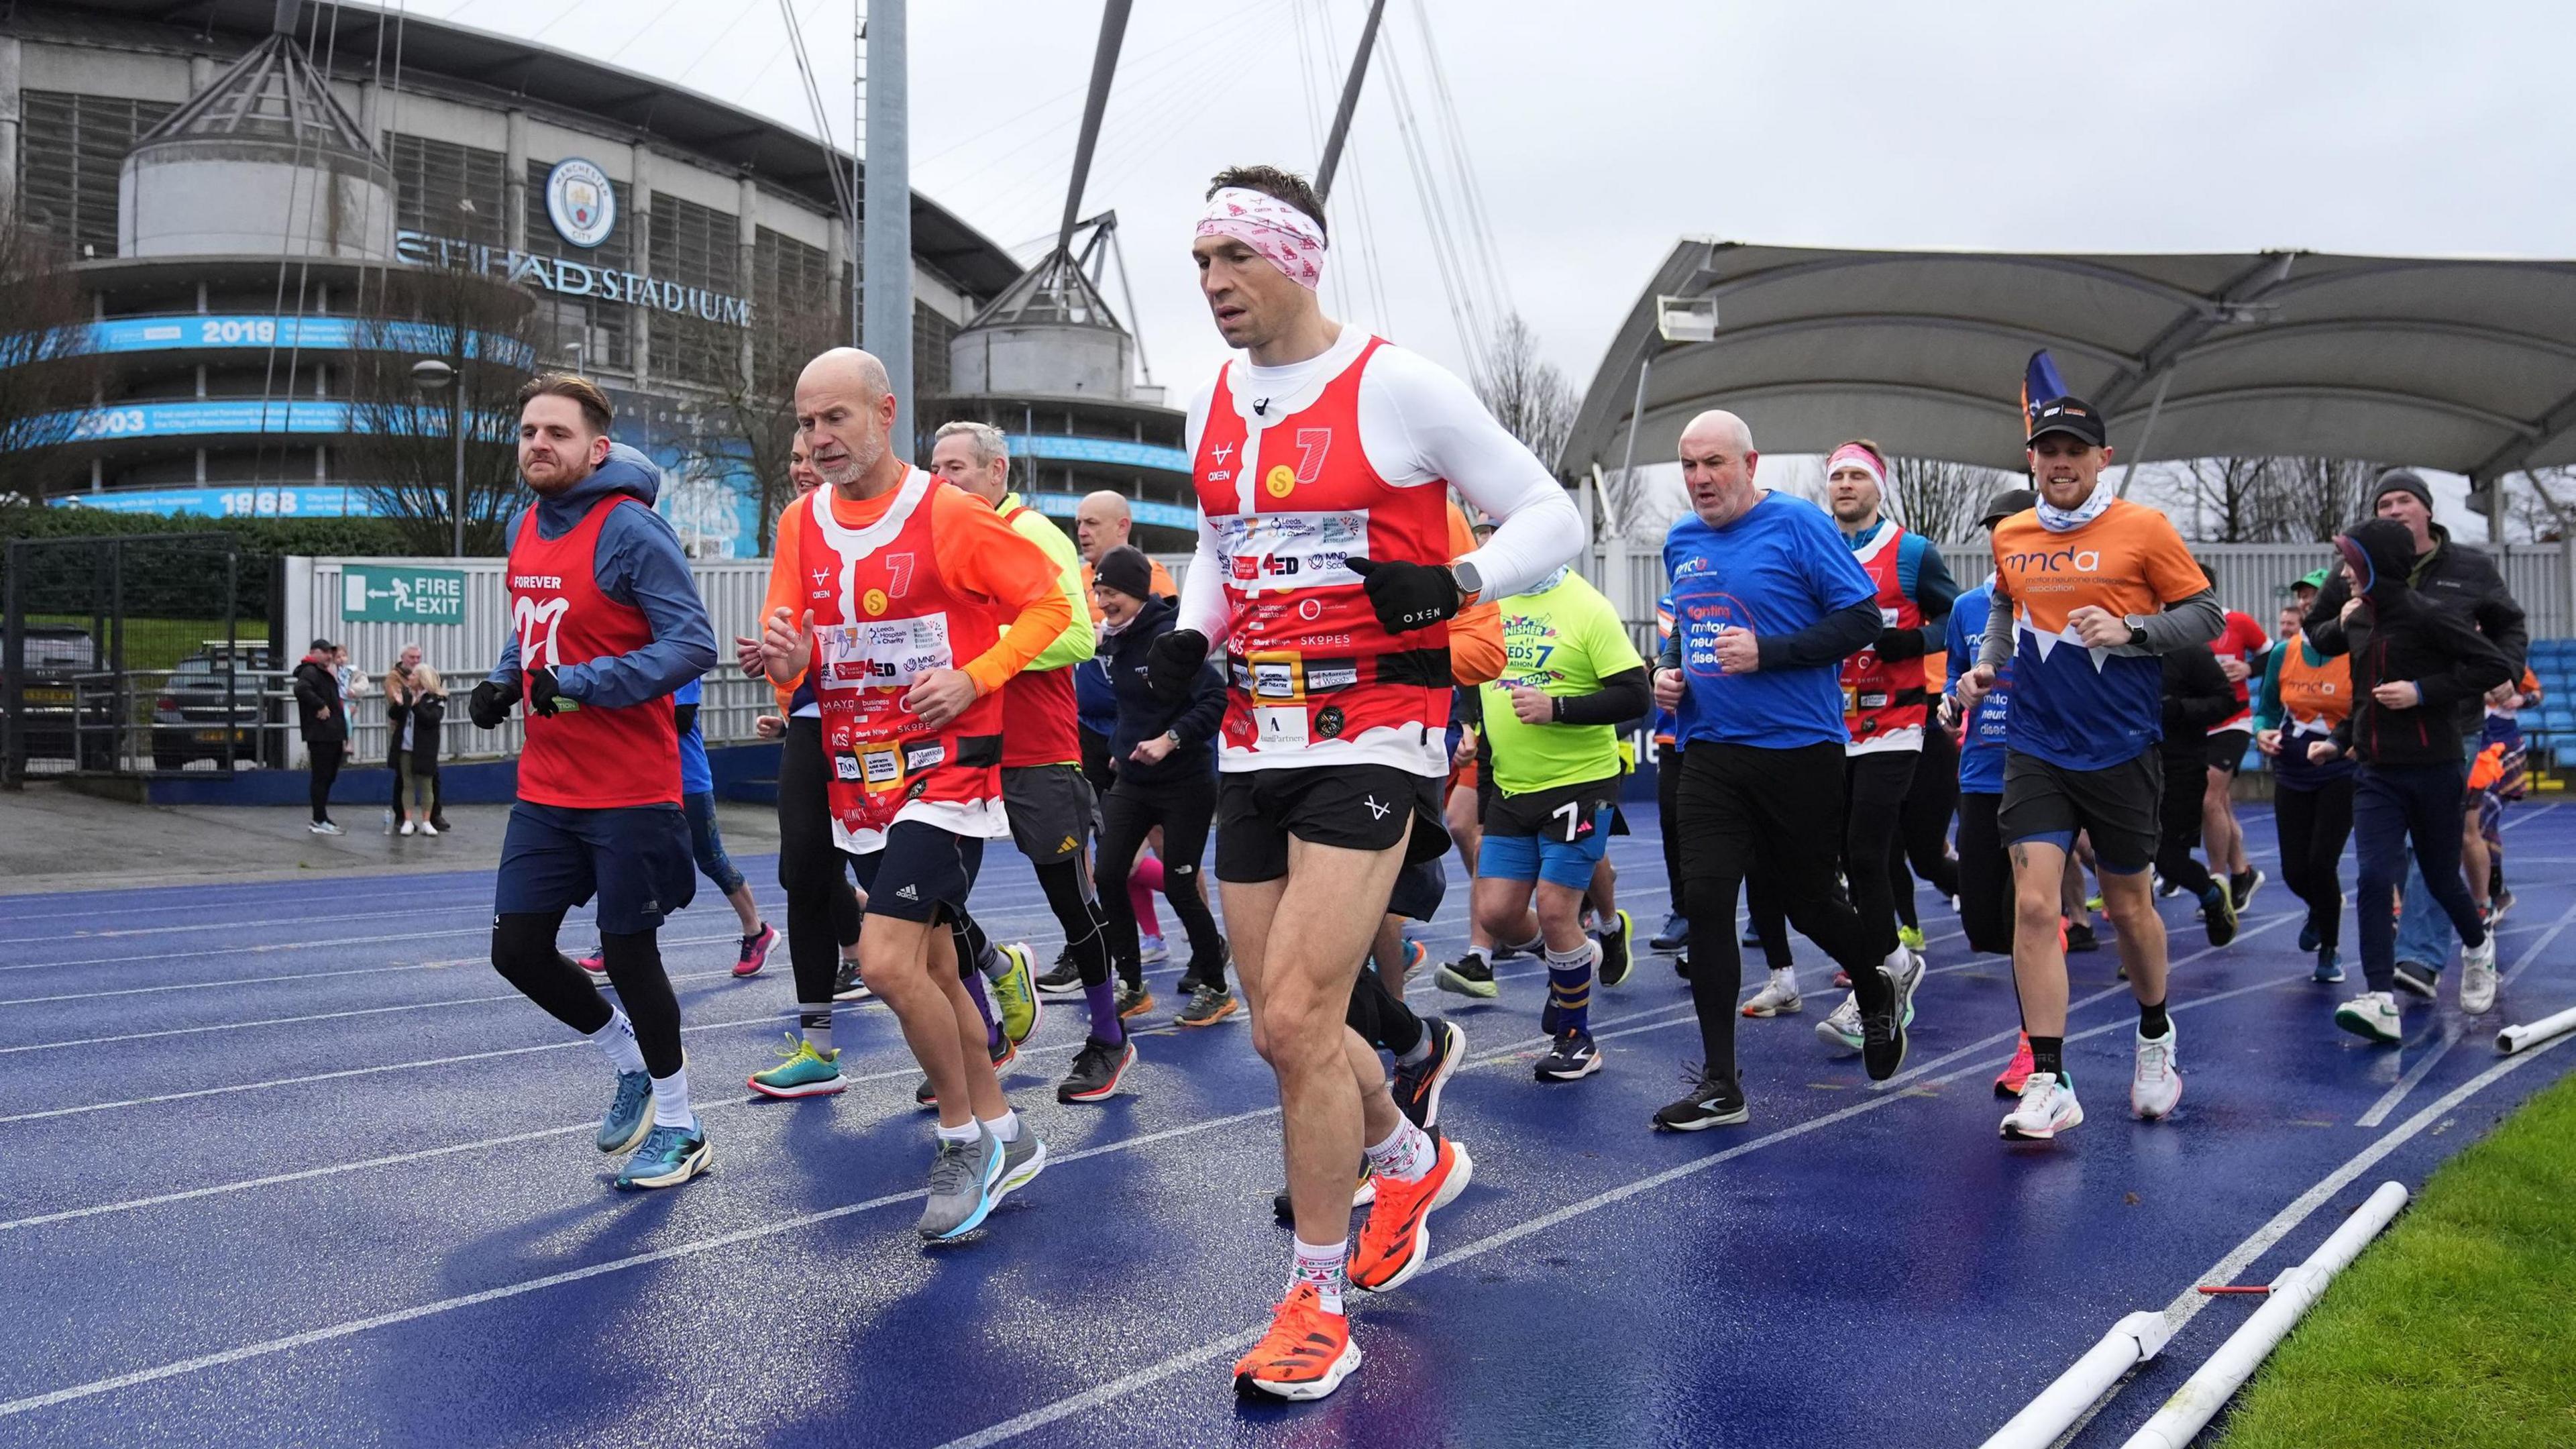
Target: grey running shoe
column 846, row 985
column 1023, row 1158
column 962, row 1179
column 1207, row 1006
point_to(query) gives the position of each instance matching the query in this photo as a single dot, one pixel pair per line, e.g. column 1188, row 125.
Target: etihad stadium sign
column 570, row 278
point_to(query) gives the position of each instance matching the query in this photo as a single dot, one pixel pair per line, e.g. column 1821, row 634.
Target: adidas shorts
column 1051, row 809
column 923, row 874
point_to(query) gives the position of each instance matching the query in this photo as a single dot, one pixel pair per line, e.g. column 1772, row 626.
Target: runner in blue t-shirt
column 1985, row 868
column 1767, row 602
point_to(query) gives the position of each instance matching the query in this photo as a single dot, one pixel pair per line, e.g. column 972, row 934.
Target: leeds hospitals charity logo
column 580, row 202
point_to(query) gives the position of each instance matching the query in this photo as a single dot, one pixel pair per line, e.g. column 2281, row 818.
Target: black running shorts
column 1562, row 813
column 1354, row 807
column 923, row 874
column 2227, row 749
column 2117, row 806
column 1050, row 808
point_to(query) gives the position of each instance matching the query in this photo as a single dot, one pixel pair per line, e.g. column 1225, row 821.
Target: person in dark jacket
column 322, row 719
column 1165, row 762
column 2459, row 581
column 2413, row 664
column 2198, row 694
column 415, row 707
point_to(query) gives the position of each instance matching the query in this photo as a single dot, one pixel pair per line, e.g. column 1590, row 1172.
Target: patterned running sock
column 1569, row 986
column 1321, row 1264
column 1406, row 1155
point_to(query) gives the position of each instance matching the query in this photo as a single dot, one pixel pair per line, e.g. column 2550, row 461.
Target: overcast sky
column 1599, row 134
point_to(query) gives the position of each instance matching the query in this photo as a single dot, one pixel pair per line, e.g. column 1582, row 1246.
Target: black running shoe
column 2242, row 888
column 2080, row 937
column 1097, row 1069
column 1882, row 1031
column 1711, row 1103
column 1681, row 965
column 1614, row 949
column 846, row 985
column 2420, row 979
column 1469, row 975
column 1417, row 1085
column 1571, row 1057
column 1751, row 936
column 1064, row 979
column 2218, row 913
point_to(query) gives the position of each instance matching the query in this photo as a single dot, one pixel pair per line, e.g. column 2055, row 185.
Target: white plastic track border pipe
column 2132, row 1341
column 2521, row 1038
column 2293, row 1293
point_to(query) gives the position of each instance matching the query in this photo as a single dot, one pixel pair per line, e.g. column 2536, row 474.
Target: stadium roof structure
column 2464, row 365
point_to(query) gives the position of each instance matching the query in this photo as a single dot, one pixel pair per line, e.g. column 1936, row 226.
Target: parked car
column 52, row 697
column 189, row 714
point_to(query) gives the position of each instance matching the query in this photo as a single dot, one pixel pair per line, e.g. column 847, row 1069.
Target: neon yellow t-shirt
column 1562, row 641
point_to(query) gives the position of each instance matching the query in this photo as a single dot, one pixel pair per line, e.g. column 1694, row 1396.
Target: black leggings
column 2313, row 826
column 1771, row 812
column 1923, row 827
column 2391, row 805
column 324, row 768
column 822, row 911
column 1986, row 908
column 1183, row 807
column 523, row 951
column 1875, row 788
column 1668, row 789
column 2179, row 833
column 1086, row 925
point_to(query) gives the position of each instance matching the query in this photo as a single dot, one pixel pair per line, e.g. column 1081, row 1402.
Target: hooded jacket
column 1140, row 718
column 2455, row 578
column 2399, row 634
column 639, row 561
column 317, row 689
column 2197, row 695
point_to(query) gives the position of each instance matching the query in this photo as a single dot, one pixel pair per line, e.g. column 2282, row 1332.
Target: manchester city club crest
column 580, row 202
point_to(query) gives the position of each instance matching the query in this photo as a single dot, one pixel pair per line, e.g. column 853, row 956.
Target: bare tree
column 49, row 376
column 1942, row 500
column 405, row 448
column 1527, row 394
column 2545, row 506
column 2266, row 500
column 748, row 427
column 2325, row 495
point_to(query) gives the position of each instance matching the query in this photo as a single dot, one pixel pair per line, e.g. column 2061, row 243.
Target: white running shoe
column 1905, row 967
column 1841, row 1030
column 1150, row 951
column 2478, row 979
column 428, row 829
column 408, row 827
column 2372, row 1014
column 2156, row 1085
column 2047, row 1107
column 1778, row 996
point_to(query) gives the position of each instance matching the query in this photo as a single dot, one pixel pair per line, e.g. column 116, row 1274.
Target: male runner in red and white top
column 1325, row 574
column 921, row 604
column 2240, row 647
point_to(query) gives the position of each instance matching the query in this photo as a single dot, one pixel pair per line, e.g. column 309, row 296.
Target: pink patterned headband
column 1285, row 237
column 1853, row 455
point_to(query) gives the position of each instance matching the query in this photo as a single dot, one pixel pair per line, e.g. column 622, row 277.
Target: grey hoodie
column 640, row 562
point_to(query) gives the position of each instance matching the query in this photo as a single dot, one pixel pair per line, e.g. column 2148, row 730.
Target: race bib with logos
column 880, row 653
column 1266, row 551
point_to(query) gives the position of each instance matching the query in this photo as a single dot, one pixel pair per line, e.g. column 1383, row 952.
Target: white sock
column 1005, row 1128
column 616, row 1041
column 1406, row 1155
column 1321, row 1264
column 671, row 1100
column 967, row 1131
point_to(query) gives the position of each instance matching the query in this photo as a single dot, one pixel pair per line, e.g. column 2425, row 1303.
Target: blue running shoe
column 670, row 1156
column 630, row 1113
column 801, row 1072
column 1675, row 935
column 2308, row 936
column 2329, row 964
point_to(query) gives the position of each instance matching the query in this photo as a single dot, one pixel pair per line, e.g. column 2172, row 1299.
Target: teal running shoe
column 801, row 1072
column 630, row 1113
column 670, row 1156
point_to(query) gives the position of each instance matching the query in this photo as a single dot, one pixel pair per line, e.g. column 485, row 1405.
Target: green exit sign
column 402, row 596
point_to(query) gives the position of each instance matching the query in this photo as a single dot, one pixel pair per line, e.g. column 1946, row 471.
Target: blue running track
column 288, row 1165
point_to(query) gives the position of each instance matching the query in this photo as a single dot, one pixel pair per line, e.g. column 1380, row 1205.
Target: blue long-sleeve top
column 1982, row 739
column 639, row 561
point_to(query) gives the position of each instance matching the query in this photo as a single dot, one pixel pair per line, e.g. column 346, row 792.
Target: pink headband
column 1853, row 455
column 1285, row 237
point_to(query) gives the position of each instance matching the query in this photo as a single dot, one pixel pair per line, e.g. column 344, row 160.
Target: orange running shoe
column 1396, row 1240
column 2009, row 1084
column 1305, row 1355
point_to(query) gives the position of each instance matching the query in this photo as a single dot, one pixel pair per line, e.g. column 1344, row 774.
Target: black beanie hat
column 1127, row 571
column 2402, row 480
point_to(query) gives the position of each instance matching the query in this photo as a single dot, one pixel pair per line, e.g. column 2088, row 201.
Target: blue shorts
column 1542, row 857
column 634, row 858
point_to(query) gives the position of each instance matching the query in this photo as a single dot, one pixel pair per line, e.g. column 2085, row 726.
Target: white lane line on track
column 2522, row 817
column 118, row 932
column 2453, row 1031
column 447, row 965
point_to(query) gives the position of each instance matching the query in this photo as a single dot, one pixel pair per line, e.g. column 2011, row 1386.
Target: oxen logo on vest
column 530, row 616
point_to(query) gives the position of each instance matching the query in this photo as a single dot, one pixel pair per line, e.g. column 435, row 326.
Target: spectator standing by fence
column 322, row 717
column 415, row 706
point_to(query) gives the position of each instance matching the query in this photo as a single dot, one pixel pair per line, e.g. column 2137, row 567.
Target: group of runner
column 1357, row 672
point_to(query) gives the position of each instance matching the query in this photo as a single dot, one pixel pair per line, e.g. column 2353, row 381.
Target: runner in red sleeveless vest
column 1324, row 581
column 920, row 605
column 1884, row 708
column 604, row 623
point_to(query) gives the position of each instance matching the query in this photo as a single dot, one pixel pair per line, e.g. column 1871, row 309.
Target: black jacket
column 426, row 713
column 2400, row 633
column 320, row 714
column 2197, row 695
column 1194, row 719
column 2457, row 580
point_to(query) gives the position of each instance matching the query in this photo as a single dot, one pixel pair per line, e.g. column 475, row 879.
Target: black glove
column 542, row 693
column 1407, row 596
column 1899, row 644
column 1172, row 663
column 490, row 704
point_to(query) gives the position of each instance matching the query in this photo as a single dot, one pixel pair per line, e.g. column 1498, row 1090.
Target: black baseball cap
column 2005, row 504
column 323, row 646
column 2070, row 415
